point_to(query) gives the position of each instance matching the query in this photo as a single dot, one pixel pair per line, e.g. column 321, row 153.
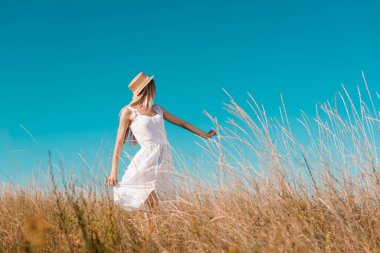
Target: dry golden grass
column 269, row 193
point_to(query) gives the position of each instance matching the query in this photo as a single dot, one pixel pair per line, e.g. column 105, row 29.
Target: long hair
column 144, row 99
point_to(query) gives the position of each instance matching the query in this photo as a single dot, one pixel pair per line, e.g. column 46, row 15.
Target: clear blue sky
column 65, row 65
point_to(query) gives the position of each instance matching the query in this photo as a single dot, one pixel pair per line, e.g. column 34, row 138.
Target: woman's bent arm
column 123, row 126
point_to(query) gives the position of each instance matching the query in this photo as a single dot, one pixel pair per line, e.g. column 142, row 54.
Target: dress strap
column 158, row 109
column 135, row 112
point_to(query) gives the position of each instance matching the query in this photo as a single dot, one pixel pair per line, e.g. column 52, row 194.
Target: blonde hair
column 144, row 99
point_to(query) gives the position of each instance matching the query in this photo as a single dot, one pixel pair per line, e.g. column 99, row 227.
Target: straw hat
column 139, row 82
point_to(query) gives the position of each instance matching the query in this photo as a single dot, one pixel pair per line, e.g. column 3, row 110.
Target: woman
column 148, row 178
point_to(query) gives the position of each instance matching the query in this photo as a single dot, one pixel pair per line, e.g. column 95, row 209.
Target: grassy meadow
column 271, row 191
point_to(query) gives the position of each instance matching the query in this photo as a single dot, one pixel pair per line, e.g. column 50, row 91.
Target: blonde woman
column 148, row 178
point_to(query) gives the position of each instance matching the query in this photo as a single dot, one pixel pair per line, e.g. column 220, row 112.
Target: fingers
column 212, row 133
column 110, row 181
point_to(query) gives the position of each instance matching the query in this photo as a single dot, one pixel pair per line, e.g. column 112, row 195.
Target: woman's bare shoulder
column 126, row 112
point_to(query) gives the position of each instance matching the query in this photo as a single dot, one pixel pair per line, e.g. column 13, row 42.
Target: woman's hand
column 111, row 180
column 210, row 133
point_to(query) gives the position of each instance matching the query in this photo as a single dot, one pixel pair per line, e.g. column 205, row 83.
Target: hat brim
column 142, row 86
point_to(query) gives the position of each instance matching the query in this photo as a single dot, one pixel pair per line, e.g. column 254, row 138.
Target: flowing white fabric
column 151, row 169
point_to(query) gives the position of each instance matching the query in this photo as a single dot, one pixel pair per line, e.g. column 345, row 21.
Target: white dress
column 151, row 168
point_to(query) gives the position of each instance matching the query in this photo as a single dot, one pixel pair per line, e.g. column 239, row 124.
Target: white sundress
column 151, row 168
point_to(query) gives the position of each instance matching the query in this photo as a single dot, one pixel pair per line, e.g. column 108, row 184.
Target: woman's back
column 148, row 130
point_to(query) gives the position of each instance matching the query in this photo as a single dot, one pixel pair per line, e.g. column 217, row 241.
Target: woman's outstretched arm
column 186, row 125
column 123, row 126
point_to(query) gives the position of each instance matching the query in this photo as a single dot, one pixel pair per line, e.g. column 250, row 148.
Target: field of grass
column 271, row 192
